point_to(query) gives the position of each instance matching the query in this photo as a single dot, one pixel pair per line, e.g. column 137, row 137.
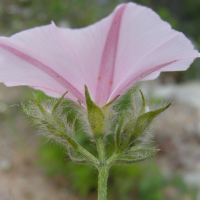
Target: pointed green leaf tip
column 143, row 103
column 118, row 133
column 48, row 118
column 141, row 124
column 44, row 112
column 111, row 102
column 58, row 103
column 145, row 120
column 95, row 115
column 129, row 160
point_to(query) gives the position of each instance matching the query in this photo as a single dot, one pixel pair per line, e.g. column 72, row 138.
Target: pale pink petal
column 108, row 59
column 116, row 52
column 130, row 45
column 50, row 92
column 146, row 45
column 20, row 65
column 95, row 48
column 149, row 74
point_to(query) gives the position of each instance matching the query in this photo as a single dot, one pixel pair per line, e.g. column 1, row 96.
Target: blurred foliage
column 141, row 181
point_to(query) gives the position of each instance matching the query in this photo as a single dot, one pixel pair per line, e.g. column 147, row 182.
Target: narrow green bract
column 95, row 115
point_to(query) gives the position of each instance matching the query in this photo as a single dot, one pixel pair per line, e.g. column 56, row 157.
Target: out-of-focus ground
column 177, row 135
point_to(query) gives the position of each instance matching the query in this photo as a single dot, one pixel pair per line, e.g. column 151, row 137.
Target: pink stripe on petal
column 107, row 66
column 45, row 69
column 137, row 79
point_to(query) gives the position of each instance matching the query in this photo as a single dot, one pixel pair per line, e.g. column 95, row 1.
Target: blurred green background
column 144, row 181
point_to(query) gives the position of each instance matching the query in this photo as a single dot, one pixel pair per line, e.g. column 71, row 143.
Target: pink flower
column 132, row 44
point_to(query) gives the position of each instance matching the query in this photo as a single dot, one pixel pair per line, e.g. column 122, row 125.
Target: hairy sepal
column 140, row 126
column 132, row 159
column 96, row 116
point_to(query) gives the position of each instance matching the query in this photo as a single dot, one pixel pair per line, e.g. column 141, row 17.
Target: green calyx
column 96, row 116
column 127, row 123
column 54, row 123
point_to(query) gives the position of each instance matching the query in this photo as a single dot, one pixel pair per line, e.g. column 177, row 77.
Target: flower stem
column 112, row 159
column 103, row 168
column 102, row 182
column 101, row 149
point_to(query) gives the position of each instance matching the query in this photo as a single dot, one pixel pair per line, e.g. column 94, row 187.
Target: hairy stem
column 101, row 149
column 103, row 169
column 112, row 159
column 102, row 182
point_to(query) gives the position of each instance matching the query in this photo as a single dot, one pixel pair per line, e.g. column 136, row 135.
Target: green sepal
column 25, row 109
column 70, row 141
column 111, row 102
column 50, row 117
column 118, row 132
column 28, row 113
column 132, row 100
column 54, row 115
column 141, row 151
column 80, row 149
column 60, row 123
column 128, row 160
column 95, row 115
column 73, row 130
column 143, row 103
column 52, row 129
column 72, row 152
column 141, row 124
column 44, row 112
column 146, row 119
column 77, row 157
column 58, row 103
column 128, row 126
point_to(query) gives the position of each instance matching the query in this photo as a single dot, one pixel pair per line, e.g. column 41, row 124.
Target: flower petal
column 130, row 45
column 95, row 48
column 148, row 45
column 108, row 59
column 38, row 58
column 113, row 55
